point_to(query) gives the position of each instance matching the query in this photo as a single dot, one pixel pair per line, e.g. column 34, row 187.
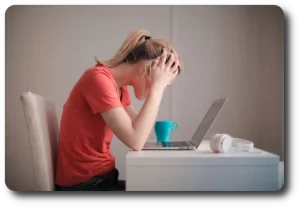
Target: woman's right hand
column 164, row 72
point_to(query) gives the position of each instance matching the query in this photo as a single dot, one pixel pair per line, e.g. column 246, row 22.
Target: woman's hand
column 164, row 71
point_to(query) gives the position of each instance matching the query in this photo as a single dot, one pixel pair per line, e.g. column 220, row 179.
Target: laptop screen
column 208, row 120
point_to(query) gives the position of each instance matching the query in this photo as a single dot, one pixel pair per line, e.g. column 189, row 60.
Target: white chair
column 43, row 130
column 281, row 174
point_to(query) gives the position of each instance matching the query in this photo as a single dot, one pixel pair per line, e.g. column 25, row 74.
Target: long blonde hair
column 140, row 46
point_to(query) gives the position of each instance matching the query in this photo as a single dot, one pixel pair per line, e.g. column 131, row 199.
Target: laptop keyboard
column 175, row 144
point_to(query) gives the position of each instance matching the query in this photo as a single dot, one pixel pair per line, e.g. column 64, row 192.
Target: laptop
column 199, row 135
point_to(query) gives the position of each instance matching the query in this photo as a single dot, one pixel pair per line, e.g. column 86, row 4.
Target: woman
column 99, row 106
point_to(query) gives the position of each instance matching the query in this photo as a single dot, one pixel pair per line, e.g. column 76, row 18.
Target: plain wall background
column 228, row 51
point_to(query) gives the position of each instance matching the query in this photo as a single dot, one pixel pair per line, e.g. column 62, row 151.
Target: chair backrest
column 43, row 130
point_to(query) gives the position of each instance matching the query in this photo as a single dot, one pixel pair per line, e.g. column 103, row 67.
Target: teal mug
column 163, row 130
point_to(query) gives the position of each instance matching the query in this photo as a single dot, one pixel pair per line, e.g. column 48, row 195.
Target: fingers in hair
column 163, row 58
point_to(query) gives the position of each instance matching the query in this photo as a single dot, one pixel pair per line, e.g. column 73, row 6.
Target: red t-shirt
column 84, row 141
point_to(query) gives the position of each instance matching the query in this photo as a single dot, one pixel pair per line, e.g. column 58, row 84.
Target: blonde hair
column 140, row 46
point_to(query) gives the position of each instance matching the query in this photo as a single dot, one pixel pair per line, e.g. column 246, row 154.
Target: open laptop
column 199, row 135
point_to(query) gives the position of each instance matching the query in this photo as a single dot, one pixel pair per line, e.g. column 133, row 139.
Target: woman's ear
column 142, row 66
column 147, row 71
column 144, row 69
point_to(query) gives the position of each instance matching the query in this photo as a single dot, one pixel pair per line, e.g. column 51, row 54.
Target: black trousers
column 108, row 182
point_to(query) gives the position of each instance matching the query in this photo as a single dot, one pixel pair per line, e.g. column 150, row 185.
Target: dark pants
column 108, row 182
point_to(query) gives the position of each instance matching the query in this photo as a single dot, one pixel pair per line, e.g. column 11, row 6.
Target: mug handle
column 175, row 125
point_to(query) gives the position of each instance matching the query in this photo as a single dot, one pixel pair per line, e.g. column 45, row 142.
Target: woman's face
column 141, row 86
column 142, row 82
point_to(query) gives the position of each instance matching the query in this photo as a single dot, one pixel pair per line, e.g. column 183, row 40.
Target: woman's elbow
column 136, row 147
column 134, row 144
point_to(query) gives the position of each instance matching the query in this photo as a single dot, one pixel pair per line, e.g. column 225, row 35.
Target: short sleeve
column 100, row 91
column 126, row 100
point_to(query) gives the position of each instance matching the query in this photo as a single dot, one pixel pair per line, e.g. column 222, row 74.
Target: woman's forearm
column 145, row 120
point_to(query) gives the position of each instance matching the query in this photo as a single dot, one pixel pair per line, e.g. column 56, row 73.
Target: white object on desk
column 201, row 170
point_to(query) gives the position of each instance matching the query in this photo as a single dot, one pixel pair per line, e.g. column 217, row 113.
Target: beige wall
column 228, row 51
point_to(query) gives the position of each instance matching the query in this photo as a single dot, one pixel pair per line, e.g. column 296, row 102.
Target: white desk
column 201, row 170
